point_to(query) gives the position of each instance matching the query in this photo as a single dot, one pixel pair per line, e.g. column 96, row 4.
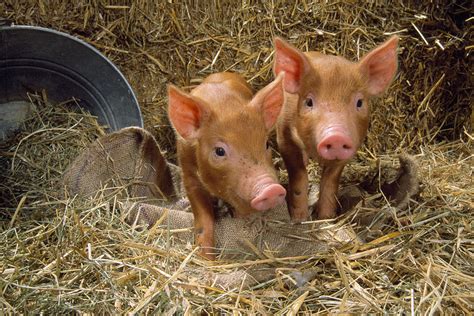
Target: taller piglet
column 326, row 116
column 223, row 150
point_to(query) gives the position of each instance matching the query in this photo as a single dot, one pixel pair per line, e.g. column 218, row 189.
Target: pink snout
column 269, row 197
column 336, row 146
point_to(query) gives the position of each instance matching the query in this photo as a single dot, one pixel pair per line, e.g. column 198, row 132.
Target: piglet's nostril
column 336, row 146
column 269, row 197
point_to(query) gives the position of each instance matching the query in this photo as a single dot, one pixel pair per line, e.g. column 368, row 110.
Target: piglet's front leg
column 297, row 196
column 327, row 204
column 201, row 204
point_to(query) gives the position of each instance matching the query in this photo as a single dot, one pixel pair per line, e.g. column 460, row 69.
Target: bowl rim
column 88, row 46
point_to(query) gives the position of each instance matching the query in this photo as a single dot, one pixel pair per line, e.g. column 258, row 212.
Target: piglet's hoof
column 299, row 215
column 207, row 253
column 206, row 242
column 320, row 213
column 324, row 215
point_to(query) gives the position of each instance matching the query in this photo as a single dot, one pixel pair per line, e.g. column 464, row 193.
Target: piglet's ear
column 270, row 101
column 185, row 112
column 380, row 66
column 290, row 60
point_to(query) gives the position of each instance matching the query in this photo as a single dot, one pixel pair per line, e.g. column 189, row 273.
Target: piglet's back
column 224, row 89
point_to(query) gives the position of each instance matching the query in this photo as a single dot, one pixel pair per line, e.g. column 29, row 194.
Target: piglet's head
column 231, row 145
column 332, row 113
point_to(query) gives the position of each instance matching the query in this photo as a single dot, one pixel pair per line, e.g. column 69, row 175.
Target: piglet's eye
column 360, row 103
column 220, row 152
column 308, row 102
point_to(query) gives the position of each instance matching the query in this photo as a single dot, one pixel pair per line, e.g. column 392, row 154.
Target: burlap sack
column 131, row 158
column 128, row 158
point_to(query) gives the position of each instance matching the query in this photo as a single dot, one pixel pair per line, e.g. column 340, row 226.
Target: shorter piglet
column 326, row 116
column 222, row 132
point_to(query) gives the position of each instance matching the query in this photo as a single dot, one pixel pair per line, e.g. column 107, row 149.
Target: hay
column 65, row 255
column 60, row 255
column 48, row 142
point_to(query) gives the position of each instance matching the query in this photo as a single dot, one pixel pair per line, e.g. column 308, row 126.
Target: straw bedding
column 61, row 254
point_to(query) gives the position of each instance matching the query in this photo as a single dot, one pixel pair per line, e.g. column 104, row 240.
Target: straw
column 61, row 255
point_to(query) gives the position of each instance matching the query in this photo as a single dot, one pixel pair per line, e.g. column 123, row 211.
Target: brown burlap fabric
column 131, row 159
column 128, row 158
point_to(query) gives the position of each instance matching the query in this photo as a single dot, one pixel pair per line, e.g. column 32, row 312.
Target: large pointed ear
column 185, row 112
column 293, row 62
column 380, row 66
column 270, row 101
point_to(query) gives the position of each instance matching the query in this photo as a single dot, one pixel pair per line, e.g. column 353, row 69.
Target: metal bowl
column 35, row 58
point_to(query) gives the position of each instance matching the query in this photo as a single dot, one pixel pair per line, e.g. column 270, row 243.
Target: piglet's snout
column 336, row 146
column 269, row 197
